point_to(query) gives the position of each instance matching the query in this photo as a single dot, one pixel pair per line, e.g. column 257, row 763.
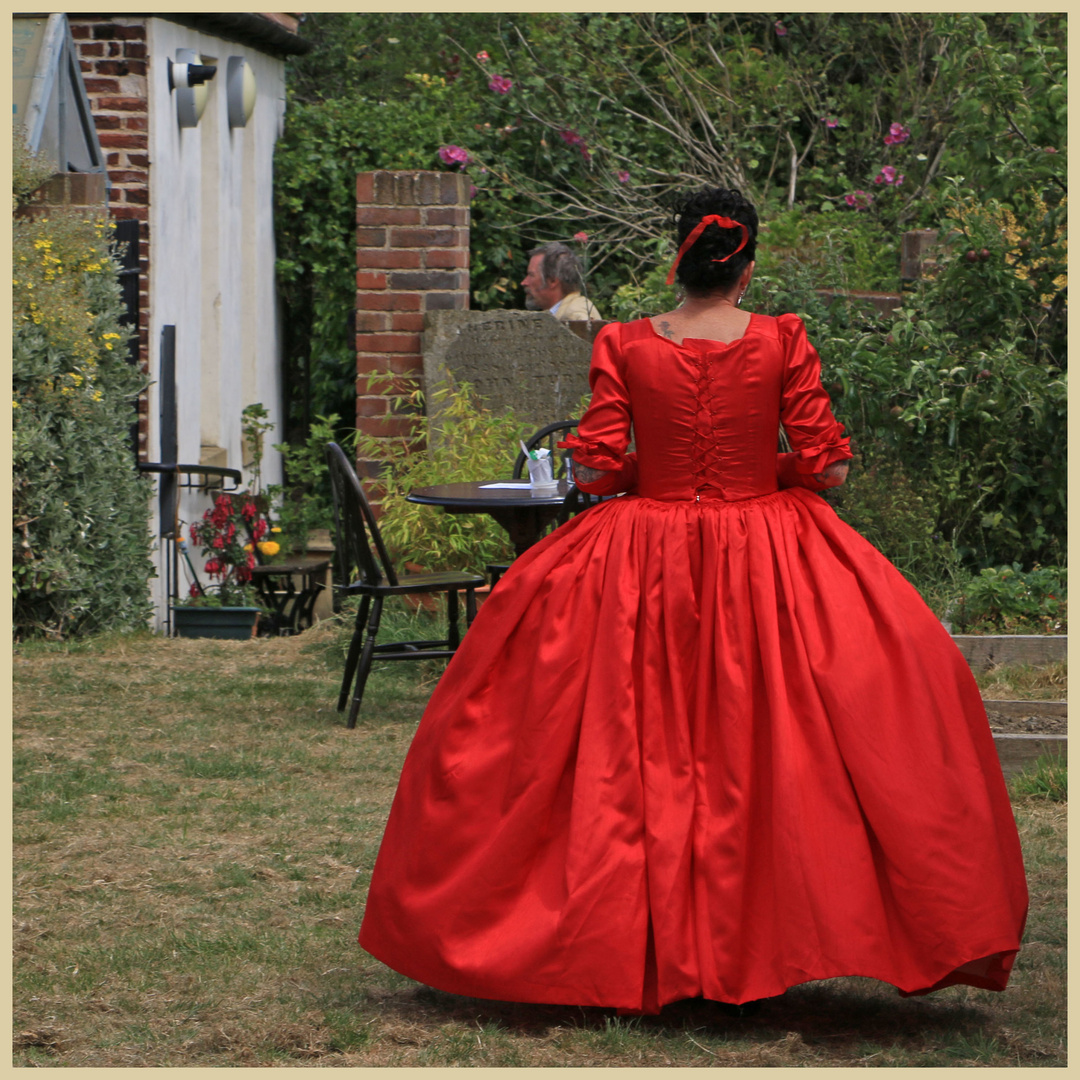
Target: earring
column 741, row 295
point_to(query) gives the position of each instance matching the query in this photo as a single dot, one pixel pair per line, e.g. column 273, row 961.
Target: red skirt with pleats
column 700, row 749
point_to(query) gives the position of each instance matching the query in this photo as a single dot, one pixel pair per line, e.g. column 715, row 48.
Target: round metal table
column 522, row 514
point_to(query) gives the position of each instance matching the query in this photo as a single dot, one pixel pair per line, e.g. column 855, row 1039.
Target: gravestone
column 526, row 361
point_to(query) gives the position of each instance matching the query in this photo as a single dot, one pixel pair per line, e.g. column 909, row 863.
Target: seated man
column 554, row 283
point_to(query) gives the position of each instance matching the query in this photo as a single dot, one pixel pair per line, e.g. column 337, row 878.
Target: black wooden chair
column 547, row 436
column 577, row 502
column 362, row 553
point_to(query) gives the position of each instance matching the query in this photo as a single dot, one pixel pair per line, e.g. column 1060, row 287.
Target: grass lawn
column 194, row 831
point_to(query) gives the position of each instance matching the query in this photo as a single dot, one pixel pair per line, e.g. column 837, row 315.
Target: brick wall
column 412, row 256
column 112, row 54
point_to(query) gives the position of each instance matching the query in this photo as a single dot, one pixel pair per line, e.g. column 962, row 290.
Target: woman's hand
column 587, row 475
column 833, row 475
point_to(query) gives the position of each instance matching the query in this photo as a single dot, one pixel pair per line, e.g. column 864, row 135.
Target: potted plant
column 228, row 534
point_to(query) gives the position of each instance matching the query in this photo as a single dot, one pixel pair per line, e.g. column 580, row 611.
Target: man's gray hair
column 560, row 264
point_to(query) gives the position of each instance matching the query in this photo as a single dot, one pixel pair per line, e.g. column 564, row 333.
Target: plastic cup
column 541, row 479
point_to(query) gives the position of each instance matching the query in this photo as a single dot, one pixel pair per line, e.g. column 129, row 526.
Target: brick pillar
column 412, row 256
column 112, row 56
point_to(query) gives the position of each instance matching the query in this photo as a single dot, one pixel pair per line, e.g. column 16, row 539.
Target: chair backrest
column 576, row 502
column 354, row 523
column 548, row 436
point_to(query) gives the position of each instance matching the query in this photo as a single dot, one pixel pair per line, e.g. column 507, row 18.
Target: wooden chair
column 362, row 553
column 547, row 436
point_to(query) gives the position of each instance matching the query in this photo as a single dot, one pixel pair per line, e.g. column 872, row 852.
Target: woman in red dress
column 704, row 740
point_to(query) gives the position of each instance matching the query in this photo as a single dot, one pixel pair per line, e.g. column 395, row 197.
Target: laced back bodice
column 706, row 415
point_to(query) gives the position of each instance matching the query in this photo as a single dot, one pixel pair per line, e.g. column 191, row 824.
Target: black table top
column 474, row 494
column 290, row 566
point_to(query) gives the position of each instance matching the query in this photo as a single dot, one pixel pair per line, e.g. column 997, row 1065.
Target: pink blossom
column 830, row 121
column 572, row 138
column 897, row 134
column 452, row 153
column 888, row 175
column 482, row 56
column 473, row 191
column 859, row 200
column 780, row 28
column 581, row 237
column 624, row 176
column 500, row 84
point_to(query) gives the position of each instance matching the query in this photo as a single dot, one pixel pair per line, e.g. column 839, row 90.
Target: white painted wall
column 212, row 261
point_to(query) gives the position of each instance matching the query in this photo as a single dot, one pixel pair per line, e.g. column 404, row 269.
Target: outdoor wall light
column 188, row 77
column 239, row 91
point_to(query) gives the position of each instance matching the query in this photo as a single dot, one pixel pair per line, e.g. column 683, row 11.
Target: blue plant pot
column 215, row 622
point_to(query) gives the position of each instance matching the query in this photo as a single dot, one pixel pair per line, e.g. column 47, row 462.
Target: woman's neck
column 701, row 305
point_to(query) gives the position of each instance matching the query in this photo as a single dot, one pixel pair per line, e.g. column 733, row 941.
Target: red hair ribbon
column 698, row 229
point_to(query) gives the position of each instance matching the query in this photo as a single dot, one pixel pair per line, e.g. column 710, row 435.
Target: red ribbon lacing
column 698, row 229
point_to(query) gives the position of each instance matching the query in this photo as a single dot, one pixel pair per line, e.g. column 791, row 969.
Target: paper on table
column 508, row 484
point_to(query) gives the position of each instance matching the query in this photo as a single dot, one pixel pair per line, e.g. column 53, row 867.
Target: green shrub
column 81, row 539
column 466, row 441
column 880, row 502
column 304, row 501
column 1006, row 600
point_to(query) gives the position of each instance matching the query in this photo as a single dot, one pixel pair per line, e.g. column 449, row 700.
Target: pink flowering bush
column 889, row 175
column 897, row 134
column 452, row 154
column 572, row 138
column 859, row 200
column 500, row 84
column 623, row 176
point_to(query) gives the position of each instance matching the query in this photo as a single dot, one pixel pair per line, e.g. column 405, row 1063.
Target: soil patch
column 1034, row 720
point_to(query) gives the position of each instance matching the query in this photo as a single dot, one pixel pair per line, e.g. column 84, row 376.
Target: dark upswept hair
column 696, row 272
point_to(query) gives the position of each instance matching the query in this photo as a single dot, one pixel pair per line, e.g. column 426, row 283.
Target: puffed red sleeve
column 604, row 432
column 816, row 437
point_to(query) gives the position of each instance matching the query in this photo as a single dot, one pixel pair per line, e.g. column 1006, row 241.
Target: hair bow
column 698, row 229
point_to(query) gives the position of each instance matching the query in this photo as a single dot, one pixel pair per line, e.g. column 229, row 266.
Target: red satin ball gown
column 704, row 739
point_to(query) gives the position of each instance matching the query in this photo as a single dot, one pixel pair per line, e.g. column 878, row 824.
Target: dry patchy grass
column 194, row 831
column 1025, row 682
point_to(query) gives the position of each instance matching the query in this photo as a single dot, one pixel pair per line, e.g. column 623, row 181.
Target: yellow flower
column 275, row 528
column 248, row 547
column 269, row 547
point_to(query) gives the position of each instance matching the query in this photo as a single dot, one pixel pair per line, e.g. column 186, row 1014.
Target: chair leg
column 470, row 607
column 354, row 653
column 453, row 637
column 364, row 668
